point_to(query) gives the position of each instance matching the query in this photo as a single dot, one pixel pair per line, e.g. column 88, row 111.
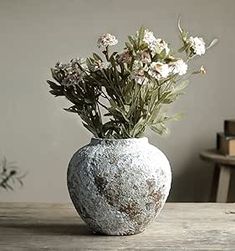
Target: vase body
column 118, row 186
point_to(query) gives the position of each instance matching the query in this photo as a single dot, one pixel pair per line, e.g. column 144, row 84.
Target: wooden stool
column 222, row 173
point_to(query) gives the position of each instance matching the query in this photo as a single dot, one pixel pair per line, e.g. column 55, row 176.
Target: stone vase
column 118, row 186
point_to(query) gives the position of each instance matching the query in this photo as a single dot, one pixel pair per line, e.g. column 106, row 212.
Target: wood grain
column 180, row 226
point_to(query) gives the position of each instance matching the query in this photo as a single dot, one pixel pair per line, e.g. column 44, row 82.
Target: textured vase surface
column 118, row 186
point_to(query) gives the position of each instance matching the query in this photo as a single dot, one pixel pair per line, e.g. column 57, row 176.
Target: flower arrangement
column 119, row 95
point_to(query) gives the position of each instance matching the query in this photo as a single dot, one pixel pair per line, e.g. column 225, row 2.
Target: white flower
column 141, row 80
column 99, row 65
column 155, row 45
column 160, row 46
column 159, row 70
column 179, row 67
column 149, row 39
column 198, row 45
column 202, row 70
column 107, row 40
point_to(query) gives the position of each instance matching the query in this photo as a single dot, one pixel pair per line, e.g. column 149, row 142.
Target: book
column 226, row 144
column 229, row 127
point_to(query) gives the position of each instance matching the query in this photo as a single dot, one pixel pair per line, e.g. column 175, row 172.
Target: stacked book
column 226, row 139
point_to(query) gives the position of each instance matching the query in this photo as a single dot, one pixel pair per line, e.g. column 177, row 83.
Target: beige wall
column 41, row 137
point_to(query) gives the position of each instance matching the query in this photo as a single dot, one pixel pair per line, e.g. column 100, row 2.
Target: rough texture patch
column 119, row 186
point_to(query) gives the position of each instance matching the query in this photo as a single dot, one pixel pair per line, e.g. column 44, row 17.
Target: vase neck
column 129, row 141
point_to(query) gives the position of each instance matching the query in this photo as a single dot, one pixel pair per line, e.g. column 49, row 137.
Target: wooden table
column 180, row 226
column 222, row 173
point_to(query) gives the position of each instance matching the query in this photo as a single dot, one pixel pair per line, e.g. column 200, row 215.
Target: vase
column 118, row 186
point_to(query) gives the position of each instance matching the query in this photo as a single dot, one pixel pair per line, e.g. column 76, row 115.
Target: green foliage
column 130, row 89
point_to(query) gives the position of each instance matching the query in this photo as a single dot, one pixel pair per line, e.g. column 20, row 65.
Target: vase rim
column 127, row 140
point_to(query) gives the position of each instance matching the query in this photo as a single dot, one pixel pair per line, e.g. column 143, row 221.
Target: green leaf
column 179, row 25
column 112, row 61
column 56, row 93
column 181, row 86
column 118, row 113
column 91, row 129
column 213, row 43
column 183, row 48
column 58, row 77
column 154, row 115
column 89, row 64
column 164, row 96
column 139, row 126
column 129, row 46
column 132, row 41
column 160, row 128
column 163, row 54
column 53, row 85
column 141, row 33
column 177, row 116
column 72, row 109
column 97, row 57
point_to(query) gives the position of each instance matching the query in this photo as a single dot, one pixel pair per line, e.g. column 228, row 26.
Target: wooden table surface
column 180, row 226
column 214, row 156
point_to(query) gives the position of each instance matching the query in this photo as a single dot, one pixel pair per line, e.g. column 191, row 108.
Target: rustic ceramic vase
column 118, row 186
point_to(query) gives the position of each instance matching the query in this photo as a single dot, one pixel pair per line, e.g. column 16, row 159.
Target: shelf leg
column 224, row 181
column 215, row 182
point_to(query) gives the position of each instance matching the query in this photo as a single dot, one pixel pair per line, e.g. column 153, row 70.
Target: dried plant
column 119, row 95
column 9, row 175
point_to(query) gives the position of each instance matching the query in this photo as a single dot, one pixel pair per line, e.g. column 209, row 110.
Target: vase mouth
column 116, row 141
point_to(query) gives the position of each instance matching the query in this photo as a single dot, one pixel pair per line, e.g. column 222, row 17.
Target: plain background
column 35, row 131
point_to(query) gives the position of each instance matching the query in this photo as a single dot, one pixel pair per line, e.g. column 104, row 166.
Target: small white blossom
column 198, row 45
column 99, row 65
column 159, row 70
column 141, row 80
column 179, row 67
column 155, row 45
column 202, row 70
column 150, row 39
column 107, row 40
column 160, row 46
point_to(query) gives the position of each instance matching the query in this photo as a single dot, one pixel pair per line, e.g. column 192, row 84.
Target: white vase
column 118, row 186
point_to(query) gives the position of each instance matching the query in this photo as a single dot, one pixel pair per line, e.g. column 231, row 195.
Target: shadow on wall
column 9, row 175
column 194, row 183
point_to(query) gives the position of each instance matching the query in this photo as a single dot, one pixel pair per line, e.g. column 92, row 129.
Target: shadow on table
column 53, row 229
